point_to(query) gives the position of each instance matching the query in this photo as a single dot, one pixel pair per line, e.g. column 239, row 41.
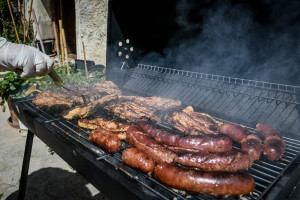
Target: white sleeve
column 2, row 41
column 24, row 60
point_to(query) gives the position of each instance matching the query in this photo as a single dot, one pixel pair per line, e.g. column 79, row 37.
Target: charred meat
column 193, row 123
column 110, row 125
column 59, row 101
column 90, row 109
column 155, row 102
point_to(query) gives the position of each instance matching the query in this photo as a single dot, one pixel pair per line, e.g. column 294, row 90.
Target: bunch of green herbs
column 10, row 87
column 75, row 80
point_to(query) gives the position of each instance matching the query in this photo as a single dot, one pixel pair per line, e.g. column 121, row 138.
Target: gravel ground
column 49, row 176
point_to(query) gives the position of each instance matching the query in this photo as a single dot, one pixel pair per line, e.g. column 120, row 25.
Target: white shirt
column 2, row 41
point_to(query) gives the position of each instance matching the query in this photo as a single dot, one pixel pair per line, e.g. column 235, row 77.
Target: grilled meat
column 212, row 143
column 249, row 142
column 193, row 123
column 252, row 145
column 155, row 102
column 109, row 125
column 131, row 111
column 59, row 101
column 219, row 184
column 98, row 90
column 85, row 111
column 274, row 144
column 106, row 140
column 229, row 161
column 203, row 118
column 235, row 132
column 56, row 101
column 138, row 160
column 150, row 147
column 131, row 108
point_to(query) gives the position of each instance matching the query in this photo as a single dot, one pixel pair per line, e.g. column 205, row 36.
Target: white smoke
column 258, row 40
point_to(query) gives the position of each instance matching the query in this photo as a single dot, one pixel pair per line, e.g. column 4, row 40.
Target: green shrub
column 7, row 27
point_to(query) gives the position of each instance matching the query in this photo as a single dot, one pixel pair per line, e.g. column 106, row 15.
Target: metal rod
column 56, row 41
column 230, row 79
column 25, row 165
column 84, row 57
column 13, row 20
column 61, row 41
column 29, row 17
column 38, row 30
column 66, row 50
column 24, row 23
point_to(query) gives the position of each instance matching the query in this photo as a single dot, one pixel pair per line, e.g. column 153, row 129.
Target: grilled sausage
column 235, row 132
column 150, row 147
column 106, row 140
column 249, row 142
column 274, row 144
column 252, row 145
column 229, row 161
column 212, row 143
column 138, row 160
column 212, row 183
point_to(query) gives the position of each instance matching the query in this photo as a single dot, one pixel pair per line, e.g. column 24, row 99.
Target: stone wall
column 91, row 26
column 43, row 14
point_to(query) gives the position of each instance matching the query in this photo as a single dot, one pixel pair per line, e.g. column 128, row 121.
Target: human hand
column 25, row 60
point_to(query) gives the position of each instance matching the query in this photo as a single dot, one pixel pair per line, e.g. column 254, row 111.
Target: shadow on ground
column 55, row 183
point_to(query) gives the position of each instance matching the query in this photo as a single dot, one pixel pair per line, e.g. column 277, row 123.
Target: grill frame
column 70, row 142
column 274, row 104
column 92, row 164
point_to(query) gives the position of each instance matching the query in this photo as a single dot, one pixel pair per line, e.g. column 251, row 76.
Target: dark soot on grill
column 253, row 39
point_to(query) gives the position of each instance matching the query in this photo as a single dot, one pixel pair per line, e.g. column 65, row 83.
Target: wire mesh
column 240, row 100
column 265, row 172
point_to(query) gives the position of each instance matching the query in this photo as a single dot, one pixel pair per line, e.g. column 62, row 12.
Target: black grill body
column 135, row 30
column 151, row 27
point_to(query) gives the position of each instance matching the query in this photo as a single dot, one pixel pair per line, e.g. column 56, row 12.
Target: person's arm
column 24, row 60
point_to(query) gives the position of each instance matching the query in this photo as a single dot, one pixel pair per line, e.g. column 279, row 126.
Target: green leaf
column 4, row 82
column 12, row 87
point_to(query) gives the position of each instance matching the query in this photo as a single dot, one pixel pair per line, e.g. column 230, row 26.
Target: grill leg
column 25, row 166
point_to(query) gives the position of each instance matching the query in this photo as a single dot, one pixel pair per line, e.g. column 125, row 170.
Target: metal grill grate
column 265, row 173
column 239, row 100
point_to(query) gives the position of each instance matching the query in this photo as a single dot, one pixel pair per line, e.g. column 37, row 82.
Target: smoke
column 248, row 39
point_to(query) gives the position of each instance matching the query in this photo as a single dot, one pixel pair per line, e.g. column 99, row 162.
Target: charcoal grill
column 228, row 99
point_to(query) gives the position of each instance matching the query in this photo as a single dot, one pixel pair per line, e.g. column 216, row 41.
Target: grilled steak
column 56, row 101
column 155, row 102
column 132, row 111
column 98, row 90
column 85, row 111
column 59, row 101
column 192, row 123
column 109, row 125
column 131, row 108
